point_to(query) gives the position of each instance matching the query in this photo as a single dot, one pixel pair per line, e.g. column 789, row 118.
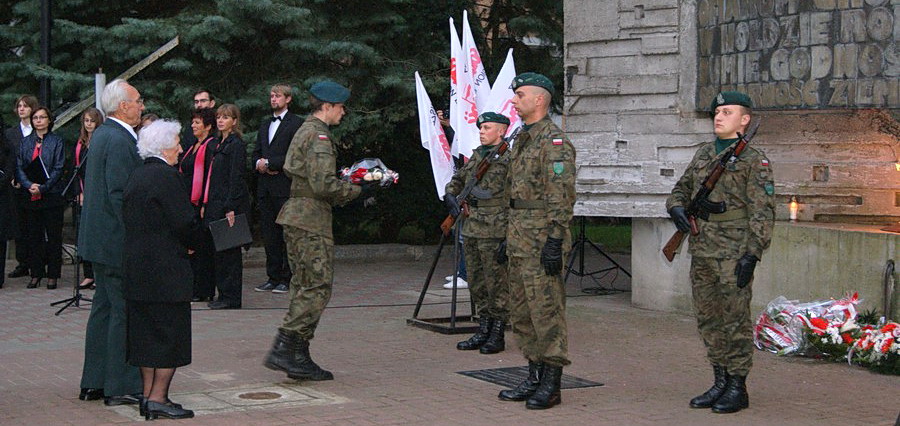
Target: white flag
column 455, row 49
column 473, row 89
column 502, row 94
column 434, row 139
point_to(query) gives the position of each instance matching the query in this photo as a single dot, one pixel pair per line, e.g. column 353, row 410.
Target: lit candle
column 795, row 208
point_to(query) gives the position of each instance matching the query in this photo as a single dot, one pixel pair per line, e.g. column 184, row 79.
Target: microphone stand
column 77, row 297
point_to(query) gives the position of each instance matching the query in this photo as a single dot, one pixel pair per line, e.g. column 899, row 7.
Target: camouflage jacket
column 541, row 178
column 315, row 187
column 748, row 190
column 487, row 217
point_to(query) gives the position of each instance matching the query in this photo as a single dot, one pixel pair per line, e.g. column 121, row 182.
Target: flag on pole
column 473, row 89
column 455, row 49
column 433, row 139
column 502, row 94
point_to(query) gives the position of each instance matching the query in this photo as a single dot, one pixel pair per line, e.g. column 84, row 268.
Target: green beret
column 730, row 98
column 329, row 91
column 492, row 117
column 532, row 79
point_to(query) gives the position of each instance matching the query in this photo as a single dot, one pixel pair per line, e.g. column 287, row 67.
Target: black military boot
column 735, row 396
column 477, row 339
column 527, row 387
column 306, row 368
column 709, row 397
column 496, row 342
column 547, row 394
column 281, row 356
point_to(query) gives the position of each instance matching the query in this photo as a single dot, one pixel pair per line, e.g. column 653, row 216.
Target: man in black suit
column 14, row 135
column 273, row 187
column 109, row 163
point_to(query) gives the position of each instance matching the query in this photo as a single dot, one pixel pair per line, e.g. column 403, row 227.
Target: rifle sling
column 527, row 204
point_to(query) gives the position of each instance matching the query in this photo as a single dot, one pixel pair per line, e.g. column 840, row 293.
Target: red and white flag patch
column 764, row 162
column 557, row 141
column 323, row 137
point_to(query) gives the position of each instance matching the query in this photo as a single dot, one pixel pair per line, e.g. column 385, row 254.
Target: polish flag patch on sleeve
column 557, row 141
column 323, row 137
column 764, row 162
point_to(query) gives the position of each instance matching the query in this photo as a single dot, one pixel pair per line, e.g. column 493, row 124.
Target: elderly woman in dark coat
column 160, row 227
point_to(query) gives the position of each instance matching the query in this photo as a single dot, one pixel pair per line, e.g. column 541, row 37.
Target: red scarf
column 199, row 171
column 78, row 147
column 34, row 156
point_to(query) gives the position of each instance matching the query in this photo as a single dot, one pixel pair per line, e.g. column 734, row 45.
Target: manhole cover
column 259, row 395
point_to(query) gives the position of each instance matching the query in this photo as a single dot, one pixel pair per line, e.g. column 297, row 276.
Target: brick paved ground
column 390, row 373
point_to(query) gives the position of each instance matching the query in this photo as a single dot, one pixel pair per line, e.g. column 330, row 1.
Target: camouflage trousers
column 537, row 311
column 723, row 314
column 311, row 257
column 488, row 282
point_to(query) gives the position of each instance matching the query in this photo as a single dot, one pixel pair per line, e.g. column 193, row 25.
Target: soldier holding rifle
column 729, row 186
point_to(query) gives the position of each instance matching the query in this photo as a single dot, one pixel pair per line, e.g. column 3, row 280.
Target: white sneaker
column 449, row 278
column 460, row 283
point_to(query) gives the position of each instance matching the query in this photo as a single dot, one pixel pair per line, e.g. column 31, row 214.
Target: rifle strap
column 527, row 204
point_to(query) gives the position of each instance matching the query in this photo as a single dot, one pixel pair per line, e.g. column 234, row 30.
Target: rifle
column 480, row 170
column 699, row 204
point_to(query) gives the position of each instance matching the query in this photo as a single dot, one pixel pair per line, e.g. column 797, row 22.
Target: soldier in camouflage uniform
column 541, row 188
column 725, row 252
column 306, row 218
column 484, row 229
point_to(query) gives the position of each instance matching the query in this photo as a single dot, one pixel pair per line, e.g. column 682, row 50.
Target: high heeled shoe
column 51, row 284
column 87, row 284
column 35, row 282
column 154, row 410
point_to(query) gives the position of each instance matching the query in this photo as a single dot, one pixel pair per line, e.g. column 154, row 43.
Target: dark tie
column 277, row 118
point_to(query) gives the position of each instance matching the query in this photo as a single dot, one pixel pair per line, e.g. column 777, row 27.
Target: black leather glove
column 500, row 256
column 452, row 204
column 366, row 194
column 680, row 218
column 744, row 269
column 551, row 256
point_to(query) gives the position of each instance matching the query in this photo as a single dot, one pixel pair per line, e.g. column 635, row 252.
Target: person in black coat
column 194, row 167
column 161, row 227
column 226, row 195
column 39, row 167
column 23, row 107
column 273, row 187
column 7, row 178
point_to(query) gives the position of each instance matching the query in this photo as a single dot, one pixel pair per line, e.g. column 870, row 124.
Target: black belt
column 527, row 204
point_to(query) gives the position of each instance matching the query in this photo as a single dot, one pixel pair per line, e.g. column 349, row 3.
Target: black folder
column 226, row 237
column 37, row 172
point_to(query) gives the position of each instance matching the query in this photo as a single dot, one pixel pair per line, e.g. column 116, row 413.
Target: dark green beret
column 329, row 91
column 730, row 98
column 492, row 117
column 533, row 79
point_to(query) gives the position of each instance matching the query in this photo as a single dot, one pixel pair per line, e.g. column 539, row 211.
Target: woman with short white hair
column 160, row 229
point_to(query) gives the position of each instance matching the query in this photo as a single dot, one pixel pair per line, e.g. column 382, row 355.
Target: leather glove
column 551, row 256
column 680, row 218
column 744, row 269
column 452, row 204
column 366, row 194
column 500, row 256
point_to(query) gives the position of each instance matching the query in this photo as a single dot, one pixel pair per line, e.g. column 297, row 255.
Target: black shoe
column 708, row 398
column 547, row 394
column 87, row 284
column 306, row 368
column 51, row 284
column 200, row 299
column 34, row 283
column 266, row 286
column 280, row 289
column 20, row 271
column 528, row 386
column 90, row 394
column 221, row 304
column 496, row 342
column 123, row 400
column 154, row 410
column 734, row 398
column 480, row 336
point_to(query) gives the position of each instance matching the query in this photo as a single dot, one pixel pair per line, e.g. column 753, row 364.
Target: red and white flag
column 455, row 48
column 473, row 89
column 502, row 94
column 433, row 139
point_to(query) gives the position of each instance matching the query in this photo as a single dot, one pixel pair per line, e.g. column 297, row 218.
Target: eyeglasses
column 200, row 101
column 39, row 117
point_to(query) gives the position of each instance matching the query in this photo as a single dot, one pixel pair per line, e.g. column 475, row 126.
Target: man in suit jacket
column 110, row 161
column 14, row 135
column 273, row 187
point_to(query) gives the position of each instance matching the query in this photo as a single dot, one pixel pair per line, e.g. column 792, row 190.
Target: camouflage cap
column 492, row 117
column 532, row 79
column 329, row 91
column 730, row 98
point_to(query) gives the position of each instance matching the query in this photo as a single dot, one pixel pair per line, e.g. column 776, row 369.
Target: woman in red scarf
column 194, row 166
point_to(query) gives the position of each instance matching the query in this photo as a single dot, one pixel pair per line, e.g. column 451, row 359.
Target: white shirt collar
column 125, row 125
column 283, row 113
column 26, row 130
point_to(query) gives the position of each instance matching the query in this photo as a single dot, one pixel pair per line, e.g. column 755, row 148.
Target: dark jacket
column 186, row 164
column 54, row 159
column 160, row 227
column 112, row 158
column 7, row 194
column 277, row 185
column 227, row 187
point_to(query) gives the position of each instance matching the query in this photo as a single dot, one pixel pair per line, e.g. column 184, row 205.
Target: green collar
column 721, row 144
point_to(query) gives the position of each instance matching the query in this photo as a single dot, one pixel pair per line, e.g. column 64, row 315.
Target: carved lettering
column 742, row 36
column 845, row 60
column 799, row 63
column 871, row 60
column 853, row 26
column 779, row 68
column 880, row 24
column 820, row 61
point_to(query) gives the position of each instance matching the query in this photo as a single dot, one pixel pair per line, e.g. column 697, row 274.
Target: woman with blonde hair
column 90, row 120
